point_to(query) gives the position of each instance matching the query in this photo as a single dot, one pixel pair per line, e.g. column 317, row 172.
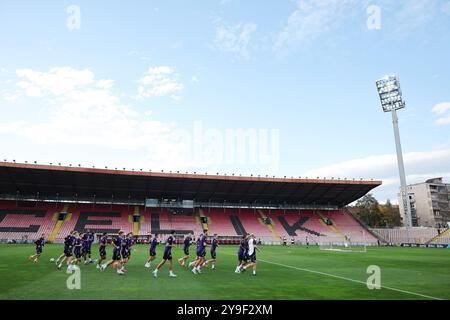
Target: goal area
column 345, row 244
column 343, row 247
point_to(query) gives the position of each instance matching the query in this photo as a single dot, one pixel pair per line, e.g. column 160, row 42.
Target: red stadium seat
column 18, row 220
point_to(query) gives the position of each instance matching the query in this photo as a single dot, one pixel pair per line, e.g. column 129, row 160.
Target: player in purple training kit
column 103, row 242
column 252, row 248
column 39, row 245
column 201, row 253
column 186, row 244
column 214, row 245
column 69, row 243
column 88, row 238
column 126, row 250
column 79, row 244
column 117, row 243
column 242, row 253
column 170, row 243
column 152, row 252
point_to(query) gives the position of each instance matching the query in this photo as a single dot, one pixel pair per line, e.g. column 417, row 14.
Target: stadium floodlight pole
column 391, row 100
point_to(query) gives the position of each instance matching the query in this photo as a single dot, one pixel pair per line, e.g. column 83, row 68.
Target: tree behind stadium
column 375, row 215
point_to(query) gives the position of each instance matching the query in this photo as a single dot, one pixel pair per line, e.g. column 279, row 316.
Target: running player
column 69, row 242
column 194, row 241
column 252, row 248
column 60, row 258
column 39, row 245
column 152, row 254
column 186, row 244
column 126, row 250
column 201, row 253
column 214, row 245
column 79, row 244
column 88, row 238
column 102, row 249
column 242, row 253
column 170, row 243
column 117, row 245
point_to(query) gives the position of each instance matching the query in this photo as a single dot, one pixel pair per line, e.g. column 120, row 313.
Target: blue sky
column 161, row 85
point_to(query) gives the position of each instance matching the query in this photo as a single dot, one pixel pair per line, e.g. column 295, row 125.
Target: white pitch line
column 348, row 279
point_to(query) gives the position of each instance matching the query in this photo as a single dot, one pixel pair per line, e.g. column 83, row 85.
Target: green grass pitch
column 283, row 273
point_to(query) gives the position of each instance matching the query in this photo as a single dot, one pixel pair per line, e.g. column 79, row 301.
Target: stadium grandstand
column 54, row 200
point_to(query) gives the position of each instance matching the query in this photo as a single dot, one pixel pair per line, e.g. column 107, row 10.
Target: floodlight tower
column 391, row 100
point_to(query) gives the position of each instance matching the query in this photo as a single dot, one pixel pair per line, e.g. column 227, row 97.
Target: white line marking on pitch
column 348, row 279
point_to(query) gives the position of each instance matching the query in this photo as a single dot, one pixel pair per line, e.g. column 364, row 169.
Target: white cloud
column 235, row 39
column 311, row 19
column 443, row 121
column 381, row 166
column 11, row 97
column 57, row 81
column 83, row 112
column 411, row 15
column 195, row 79
column 442, row 109
column 85, row 121
column 418, row 165
column 105, row 84
column 159, row 81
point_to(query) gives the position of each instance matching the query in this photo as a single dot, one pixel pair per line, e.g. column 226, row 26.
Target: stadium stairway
column 298, row 224
column 136, row 225
column 375, row 235
column 249, row 221
column 201, row 215
column 439, row 236
column 269, row 225
column 333, row 226
column 59, row 223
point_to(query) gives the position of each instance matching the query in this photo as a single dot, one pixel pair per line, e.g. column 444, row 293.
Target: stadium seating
column 413, row 235
column 97, row 218
column 18, row 220
column 31, row 219
column 182, row 221
column 219, row 222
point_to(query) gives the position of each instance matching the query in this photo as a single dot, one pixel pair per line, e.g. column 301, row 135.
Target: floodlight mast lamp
column 391, row 100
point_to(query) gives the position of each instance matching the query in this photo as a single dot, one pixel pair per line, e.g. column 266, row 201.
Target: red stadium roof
column 83, row 183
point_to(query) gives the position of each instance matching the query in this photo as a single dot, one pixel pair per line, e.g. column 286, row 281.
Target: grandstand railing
column 114, row 201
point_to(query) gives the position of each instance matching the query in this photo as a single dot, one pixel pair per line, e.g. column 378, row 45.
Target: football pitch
column 290, row 273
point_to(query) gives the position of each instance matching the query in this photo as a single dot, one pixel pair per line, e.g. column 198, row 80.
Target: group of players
column 77, row 246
